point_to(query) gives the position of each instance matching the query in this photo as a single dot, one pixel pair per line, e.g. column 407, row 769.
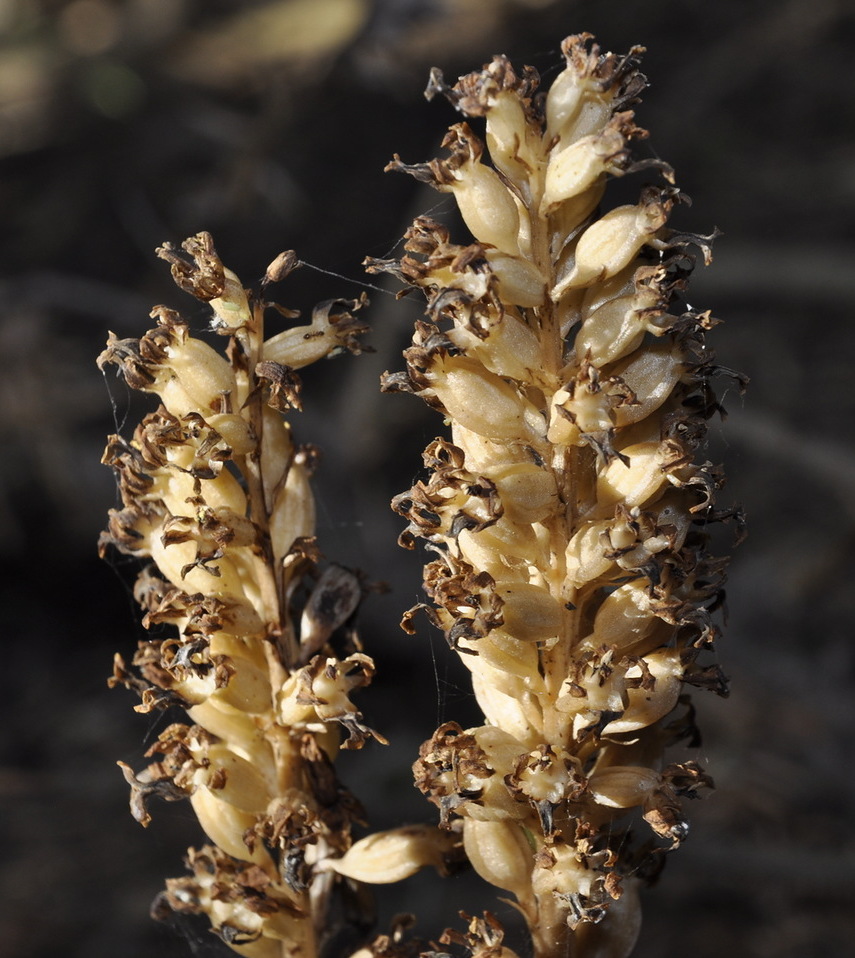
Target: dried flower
column 262, row 652
column 568, row 511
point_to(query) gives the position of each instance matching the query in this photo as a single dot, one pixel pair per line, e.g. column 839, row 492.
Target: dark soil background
column 127, row 123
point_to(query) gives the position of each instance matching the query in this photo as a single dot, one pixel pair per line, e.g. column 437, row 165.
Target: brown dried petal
column 203, row 277
column 284, row 385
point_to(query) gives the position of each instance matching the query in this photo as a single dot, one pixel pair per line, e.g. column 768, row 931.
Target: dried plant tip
column 284, row 264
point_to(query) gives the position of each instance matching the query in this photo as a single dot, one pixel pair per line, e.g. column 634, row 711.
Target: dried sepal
column 246, row 905
column 319, row 693
column 483, row 938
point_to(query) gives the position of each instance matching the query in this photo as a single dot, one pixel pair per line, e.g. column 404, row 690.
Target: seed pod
column 498, row 547
column 530, row 613
column 509, row 655
column 203, row 373
column 511, row 155
column 610, row 244
column 293, row 514
column 249, row 687
column 233, row 726
column 651, row 377
column 487, row 208
column 484, row 403
column 235, row 432
column 500, row 854
column 225, row 825
column 178, row 563
column 617, row 314
column 520, row 282
column 586, row 553
column 528, row 492
column 547, row 776
column 645, row 706
column 391, row 856
column 624, row 619
column 559, row 871
column 575, row 107
column 233, row 780
column 635, row 478
column 622, row 786
column 578, row 166
column 232, row 306
column 517, row 712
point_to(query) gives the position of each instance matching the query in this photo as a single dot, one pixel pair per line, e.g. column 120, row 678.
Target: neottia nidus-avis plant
column 567, row 511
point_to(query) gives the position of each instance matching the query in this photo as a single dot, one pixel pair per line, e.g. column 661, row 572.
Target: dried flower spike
column 261, row 652
column 568, row 510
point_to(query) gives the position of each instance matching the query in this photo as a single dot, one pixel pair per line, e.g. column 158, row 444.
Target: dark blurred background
column 124, row 123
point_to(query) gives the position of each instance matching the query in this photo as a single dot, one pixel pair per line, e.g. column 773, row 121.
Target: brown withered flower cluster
column 568, row 509
column 248, row 636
